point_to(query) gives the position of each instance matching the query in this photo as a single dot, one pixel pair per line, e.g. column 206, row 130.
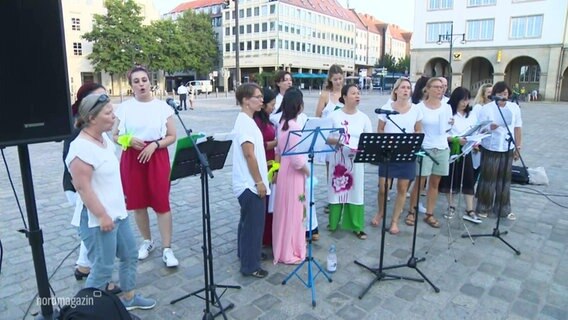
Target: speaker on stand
column 34, row 102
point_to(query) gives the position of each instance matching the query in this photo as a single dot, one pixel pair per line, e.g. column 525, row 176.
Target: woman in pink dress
column 288, row 231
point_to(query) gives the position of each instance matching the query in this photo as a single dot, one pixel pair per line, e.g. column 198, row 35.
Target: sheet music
column 476, row 128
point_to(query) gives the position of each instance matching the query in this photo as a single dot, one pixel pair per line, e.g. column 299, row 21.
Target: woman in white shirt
column 461, row 178
column 409, row 119
column 497, row 154
column 100, row 211
column 145, row 163
column 436, row 121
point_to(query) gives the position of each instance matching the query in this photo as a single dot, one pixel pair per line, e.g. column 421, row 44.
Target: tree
column 388, row 61
column 116, row 38
column 198, row 39
column 403, row 64
column 164, row 46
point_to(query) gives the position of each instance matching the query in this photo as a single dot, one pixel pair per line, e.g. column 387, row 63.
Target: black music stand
column 312, row 141
column 386, row 148
column 192, row 159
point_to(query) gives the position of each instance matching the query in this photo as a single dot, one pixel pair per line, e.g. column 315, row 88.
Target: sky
column 400, row 12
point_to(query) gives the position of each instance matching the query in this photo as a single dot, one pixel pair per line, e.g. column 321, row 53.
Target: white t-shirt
column 436, row 124
column 105, row 180
column 279, row 98
column 462, row 124
column 276, row 117
column 246, row 130
column 353, row 124
column 144, row 120
column 498, row 139
column 182, row 90
column 407, row 120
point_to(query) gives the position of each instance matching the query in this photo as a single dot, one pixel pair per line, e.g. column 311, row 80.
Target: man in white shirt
column 182, row 92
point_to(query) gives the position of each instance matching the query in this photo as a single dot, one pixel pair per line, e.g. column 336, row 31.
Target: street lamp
column 450, row 37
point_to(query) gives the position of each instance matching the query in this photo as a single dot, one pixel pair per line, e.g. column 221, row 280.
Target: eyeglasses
column 103, row 98
column 259, row 97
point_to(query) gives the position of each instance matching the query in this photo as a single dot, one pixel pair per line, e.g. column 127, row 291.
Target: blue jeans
column 103, row 247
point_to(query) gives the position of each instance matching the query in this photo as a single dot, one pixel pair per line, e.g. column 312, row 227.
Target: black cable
column 538, row 192
column 14, row 190
column 48, row 279
column 1, row 255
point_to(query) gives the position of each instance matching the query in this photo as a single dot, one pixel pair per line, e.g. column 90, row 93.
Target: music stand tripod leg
column 413, row 260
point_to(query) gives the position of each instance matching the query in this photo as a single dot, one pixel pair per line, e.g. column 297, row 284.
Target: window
column 249, row 12
column 440, row 4
column 529, row 74
column 227, row 31
column 249, row 28
column 77, row 49
column 272, row 43
column 264, row 44
column 241, row 13
column 272, row 26
column 256, row 27
column 256, row 11
column 264, row 27
column 479, row 3
column 242, row 46
column 264, row 11
column 480, row 29
column 249, row 45
column 227, row 15
column 272, row 9
column 526, row 27
column 241, row 29
column 257, row 45
column 227, row 47
column 76, row 24
column 433, row 30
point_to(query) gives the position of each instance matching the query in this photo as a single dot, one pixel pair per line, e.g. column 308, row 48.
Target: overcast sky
column 399, row 12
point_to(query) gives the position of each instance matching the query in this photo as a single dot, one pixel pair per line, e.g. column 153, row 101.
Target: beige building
column 78, row 20
column 519, row 41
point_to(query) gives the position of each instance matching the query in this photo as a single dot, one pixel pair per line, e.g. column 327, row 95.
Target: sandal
column 410, row 218
column 360, row 234
column 326, row 209
column 431, row 221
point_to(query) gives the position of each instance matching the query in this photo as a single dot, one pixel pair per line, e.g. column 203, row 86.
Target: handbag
column 520, row 175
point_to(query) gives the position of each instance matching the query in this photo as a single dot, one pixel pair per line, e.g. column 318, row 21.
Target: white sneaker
column 145, row 249
column 421, row 208
column 169, row 258
column 472, row 217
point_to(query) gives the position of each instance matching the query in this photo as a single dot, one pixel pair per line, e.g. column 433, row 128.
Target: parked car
column 201, row 86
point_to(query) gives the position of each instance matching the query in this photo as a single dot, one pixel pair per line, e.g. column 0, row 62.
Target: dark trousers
column 183, row 101
column 249, row 236
column 491, row 192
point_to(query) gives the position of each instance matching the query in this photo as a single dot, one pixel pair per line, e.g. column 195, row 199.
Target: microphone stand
column 510, row 140
column 211, row 296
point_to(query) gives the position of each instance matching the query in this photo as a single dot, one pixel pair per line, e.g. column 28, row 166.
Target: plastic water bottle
column 332, row 259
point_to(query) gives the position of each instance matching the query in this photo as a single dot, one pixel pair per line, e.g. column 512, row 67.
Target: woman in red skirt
column 145, row 130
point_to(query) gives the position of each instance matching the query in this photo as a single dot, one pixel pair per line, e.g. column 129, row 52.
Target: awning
column 309, row 75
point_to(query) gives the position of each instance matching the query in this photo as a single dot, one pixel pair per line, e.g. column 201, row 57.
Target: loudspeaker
column 34, row 90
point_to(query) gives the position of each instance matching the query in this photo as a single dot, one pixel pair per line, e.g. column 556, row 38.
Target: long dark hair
column 418, row 92
column 261, row 114
column 291, row 105
column 458, row 95
column 333, row 70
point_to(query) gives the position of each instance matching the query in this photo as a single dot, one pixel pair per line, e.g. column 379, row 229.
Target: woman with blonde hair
column 482, row 97
column 409, row 118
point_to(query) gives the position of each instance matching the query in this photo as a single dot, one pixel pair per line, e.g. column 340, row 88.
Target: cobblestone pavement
column 485, row 280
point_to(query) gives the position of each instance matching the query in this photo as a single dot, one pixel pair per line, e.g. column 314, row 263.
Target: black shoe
column 263, row 256
column 260, row 273
column 80, row 275
column 116, row 290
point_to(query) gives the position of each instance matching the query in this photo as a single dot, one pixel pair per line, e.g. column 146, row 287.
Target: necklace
column 97, row 139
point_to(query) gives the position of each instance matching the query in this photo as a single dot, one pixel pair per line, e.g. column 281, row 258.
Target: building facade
column 519, row 41
column 78, row 17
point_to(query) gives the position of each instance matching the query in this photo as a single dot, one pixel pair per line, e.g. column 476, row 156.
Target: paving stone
column 553, row 312
column 502, row 293
column 471, row 290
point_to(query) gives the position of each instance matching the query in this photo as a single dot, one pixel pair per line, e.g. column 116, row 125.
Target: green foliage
column 115, row 37
column 198, row 40
column 403, row 64
column 388, row 61
column 120, row 41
